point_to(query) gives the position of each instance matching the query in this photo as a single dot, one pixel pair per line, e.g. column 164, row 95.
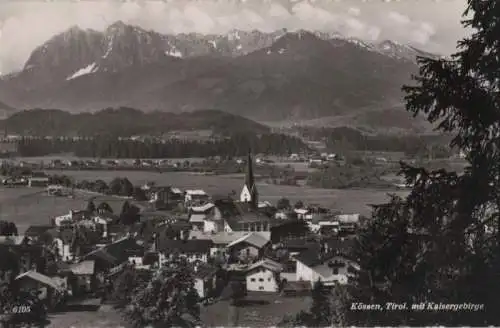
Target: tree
column 130, row 214
column 168, row 300
column 8, row 228
column 237, row 292
column 139, row 194
column 299, row 204
column 319, row 314
column 124, row 287
column 11, row 296
column 91, row 206
column 433, row 245
column 283, row 204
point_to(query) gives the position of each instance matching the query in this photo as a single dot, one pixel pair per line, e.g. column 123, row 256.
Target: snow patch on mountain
column 110, row 48
column 92, row 68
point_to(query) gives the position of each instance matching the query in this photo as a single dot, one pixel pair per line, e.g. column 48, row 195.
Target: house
column 193, row 249
column 70, row 218
column 195, row 197
column 115, row 254
column 63, row 241
column 84, row 277
column 198, row 214
column 221, row 239
column 303, row 213
column 251, row 246
column 176, row 195
column 264, row 276
column 50, row 289
column 330, row 269
column 42, row 182
column 250, row 222
column 205, row 280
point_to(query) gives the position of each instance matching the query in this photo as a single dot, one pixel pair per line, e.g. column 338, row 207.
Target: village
column 281, row 249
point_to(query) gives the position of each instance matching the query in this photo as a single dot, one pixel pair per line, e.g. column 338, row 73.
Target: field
column 32, row 206
column 348, row 201
column 265, row 310
column 104, row 317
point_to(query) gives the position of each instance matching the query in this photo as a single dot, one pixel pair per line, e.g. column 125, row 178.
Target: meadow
column 345, row 200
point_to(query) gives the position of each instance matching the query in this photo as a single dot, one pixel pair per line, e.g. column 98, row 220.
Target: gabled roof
column 224, row 238
column 202, row 208
column 118, row 251
column 267, row 264
column 253, row 239
column 48, row 281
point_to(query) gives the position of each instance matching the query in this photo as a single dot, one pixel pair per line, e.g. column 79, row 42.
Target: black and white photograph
column 249, row 163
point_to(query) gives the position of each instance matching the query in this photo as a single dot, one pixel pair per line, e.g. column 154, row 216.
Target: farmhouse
column 192, row 249
column 251, row 246
column 205, row 280
column 330, row 269
column 195, row 197
column 49, row 288
column 264, row 276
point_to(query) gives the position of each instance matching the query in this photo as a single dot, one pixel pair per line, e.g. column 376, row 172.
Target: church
column 249, row 192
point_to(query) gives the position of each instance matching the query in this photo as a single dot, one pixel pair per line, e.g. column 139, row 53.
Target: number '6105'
column 21, row 309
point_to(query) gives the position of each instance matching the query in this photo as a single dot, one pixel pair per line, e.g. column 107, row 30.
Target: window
column 268, row 279
column 252, row 279
column 335, row 270
column 261, row 288
column 261, row 279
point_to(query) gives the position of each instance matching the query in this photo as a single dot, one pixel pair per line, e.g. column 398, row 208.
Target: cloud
column 399, row 18
column 25, row 25
column 354, row 11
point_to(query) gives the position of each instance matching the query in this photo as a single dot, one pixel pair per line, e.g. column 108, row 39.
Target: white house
column 337, row 269
column 64, row 249
column 196, row 196
column 72, row 216
column 264, row 276
column 205, row 280
column 303, row 214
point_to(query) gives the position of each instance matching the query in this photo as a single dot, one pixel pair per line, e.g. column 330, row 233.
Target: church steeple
column 249, row 192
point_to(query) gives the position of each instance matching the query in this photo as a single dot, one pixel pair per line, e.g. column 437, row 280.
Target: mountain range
column 283, row 75
column 126, row 122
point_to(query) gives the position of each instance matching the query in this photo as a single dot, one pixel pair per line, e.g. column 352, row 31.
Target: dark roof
column 341, row 246
column 124, row 248
column 300, row 244
column 37, row 230
column 205, row 271
column 117, row 252
column 185, row 246
column 312, row 257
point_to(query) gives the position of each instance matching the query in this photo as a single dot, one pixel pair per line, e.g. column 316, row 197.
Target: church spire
column 249, row 192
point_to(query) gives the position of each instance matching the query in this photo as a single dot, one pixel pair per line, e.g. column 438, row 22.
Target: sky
column 431, row 25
